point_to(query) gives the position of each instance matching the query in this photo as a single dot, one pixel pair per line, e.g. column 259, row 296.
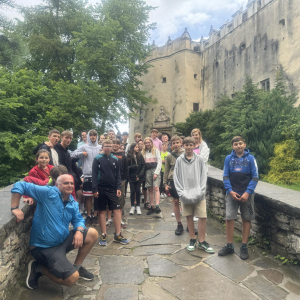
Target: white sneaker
column 132, row 209
column 196, row 219
column 138, row 210
column 173, row 214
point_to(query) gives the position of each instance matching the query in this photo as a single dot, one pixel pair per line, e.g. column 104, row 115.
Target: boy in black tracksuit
column 106, row 186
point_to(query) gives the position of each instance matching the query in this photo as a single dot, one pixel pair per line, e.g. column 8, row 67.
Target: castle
column 190, row 76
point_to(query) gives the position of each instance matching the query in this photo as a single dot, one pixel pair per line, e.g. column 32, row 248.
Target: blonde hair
column 137, row 135
column 152, row 147
column 67, row 133
column 200, row 135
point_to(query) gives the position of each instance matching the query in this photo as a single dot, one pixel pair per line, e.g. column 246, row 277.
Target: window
column 217, row 64
column 195, row 76
column 265, row 84
column 164, row 79
column 243, row 46
column 195, row 106
column 244, row 17
column 141, row 115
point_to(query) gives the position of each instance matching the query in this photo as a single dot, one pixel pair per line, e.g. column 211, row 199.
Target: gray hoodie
column 92, row 150
column 190, row 178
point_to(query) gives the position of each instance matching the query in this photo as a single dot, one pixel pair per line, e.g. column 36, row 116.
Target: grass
column 295, row 187
column 146, row 271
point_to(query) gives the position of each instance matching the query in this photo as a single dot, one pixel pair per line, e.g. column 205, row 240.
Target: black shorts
column 55, row 259
column 173, row 191
column 87, row 187
column 106, row 198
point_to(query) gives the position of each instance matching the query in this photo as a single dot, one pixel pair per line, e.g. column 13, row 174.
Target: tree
column 255, row 114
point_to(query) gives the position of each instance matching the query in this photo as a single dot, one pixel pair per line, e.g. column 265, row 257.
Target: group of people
column 65, row 183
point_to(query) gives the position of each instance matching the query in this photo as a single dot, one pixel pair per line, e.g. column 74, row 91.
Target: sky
column 172, row 16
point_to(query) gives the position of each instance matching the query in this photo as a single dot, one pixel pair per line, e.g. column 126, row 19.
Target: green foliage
column 68, row 66
column 285, row 165
column 237, row 238
column 285, row 260
column 259, row 116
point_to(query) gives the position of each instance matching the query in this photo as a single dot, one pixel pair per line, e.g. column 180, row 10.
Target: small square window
column 265, row 84
column 195, row 106
column 164, row 79
column 195, row 76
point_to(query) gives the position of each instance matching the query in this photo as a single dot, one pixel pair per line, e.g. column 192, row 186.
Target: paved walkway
column 156, row 265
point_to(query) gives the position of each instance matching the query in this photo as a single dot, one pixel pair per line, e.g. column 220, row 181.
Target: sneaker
column 191, row 247
column 196, row 219
column 108, row 223
column 103, row 240
column 88, row 221
column 132, row 209
column 94, row 221
column 206, row 247
column 120, row 239
column 84, row 274
column 226, row 250
column 138, row 210
column 32, row 276
column 173, row 214
column 123, row 225
column 196, row 230
column 151, row 210
column 179, row 230
column 147, row 205
column 157, row 210
column 244, row 253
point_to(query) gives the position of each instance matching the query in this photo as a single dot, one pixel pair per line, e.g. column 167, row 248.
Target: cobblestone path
column 156, row 265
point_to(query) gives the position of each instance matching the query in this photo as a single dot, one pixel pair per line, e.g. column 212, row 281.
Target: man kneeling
column 50, row 238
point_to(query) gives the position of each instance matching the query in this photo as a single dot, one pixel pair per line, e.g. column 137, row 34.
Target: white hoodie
column 92, row 150
column 190, row 178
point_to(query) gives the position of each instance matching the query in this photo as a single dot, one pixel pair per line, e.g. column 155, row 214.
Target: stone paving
column 156, row 265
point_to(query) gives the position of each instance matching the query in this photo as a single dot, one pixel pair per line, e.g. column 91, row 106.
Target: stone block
column 293, row 243
column 281, row 238
column 4, row 271
column 293, row 288
column 278, row 249
column 283, row 226
column 283, row 218
column 218, row 211
column 215, row 204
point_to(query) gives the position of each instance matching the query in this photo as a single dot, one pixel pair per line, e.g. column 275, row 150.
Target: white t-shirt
column 54, row 157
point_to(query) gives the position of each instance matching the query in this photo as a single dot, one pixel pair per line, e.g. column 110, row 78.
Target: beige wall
column 220, row 62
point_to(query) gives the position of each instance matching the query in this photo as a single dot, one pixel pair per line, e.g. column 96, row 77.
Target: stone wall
column 14, row 241
column 277, row 214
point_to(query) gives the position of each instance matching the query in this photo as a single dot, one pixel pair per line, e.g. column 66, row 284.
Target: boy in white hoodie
column 87, row 153
column 190, row 177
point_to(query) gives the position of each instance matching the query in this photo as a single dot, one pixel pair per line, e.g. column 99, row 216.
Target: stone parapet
column 277, row 214
column 14, row 241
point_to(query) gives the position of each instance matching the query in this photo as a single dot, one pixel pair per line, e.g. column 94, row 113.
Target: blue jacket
column 51, row 220
column 240, row 173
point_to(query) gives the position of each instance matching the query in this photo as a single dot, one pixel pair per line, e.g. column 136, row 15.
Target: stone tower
column 190, row 76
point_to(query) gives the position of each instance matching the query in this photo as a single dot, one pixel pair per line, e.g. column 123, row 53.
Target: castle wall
column 258, row 41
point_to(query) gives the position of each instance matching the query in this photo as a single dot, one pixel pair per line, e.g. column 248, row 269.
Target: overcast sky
column 172, row 16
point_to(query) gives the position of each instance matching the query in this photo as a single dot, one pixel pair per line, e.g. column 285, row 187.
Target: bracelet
column 13, row 208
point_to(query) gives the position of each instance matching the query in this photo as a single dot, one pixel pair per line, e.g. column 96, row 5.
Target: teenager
column 136, row 168
column 153, row 168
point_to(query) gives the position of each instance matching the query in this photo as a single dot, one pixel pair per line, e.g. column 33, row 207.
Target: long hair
column 152, row 147
column 200, row 135
column 130, row 152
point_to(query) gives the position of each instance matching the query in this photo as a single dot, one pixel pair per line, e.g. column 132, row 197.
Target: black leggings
column 135, row 192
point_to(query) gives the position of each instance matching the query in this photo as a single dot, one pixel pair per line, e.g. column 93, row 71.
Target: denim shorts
column 246, row 208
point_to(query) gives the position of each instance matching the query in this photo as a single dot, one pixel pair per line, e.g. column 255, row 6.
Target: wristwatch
column 81, row 230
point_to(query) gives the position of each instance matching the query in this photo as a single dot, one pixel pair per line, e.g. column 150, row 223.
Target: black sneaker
column 225, row 251
column 151, row 210
column 147, row 205
column 88, row 221
column 244, row 253
column 196, row 230
column 84, row 274
column 157, row 210
column 32, row 276
column 179, row 230
column 94, row 221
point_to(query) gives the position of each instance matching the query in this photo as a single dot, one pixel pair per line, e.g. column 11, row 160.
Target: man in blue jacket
column 50, row 238
column 240, row 178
